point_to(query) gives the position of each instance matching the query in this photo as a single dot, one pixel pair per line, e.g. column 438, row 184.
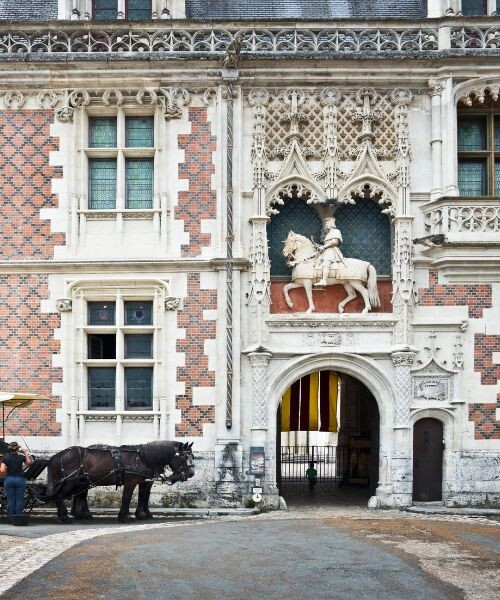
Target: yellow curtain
column 333, row 384
column 313, row 401
column 285, row 410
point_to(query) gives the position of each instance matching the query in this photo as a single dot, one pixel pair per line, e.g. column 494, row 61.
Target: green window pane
column 138, row 388
column 472, row 178
column 471, row 134
column 139, row 346
column 139, row 10
column 497, row 178
column 101, row 388
column 139, row 132
column 472, row 8
column 497, row 133
column 138, row 313
column 102, row 132
column 101, row 313
column 139, row 183
column 105, row 9
column 102, row 183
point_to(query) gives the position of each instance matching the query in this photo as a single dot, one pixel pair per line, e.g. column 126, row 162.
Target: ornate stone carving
column 79, row 98
column 64, row 305
column 146, row 96
column 209, row 96
column 432, row 382
column 259, row 362
column 232, row 56
column 47, row 99
column 402, row 362
column 112, row 96
column 172, row 303
column 476, row 91
column 328, row 338
column 14, row 99
column 65, row 114
column 436, row 86
column 366, row 322
column 173, row 101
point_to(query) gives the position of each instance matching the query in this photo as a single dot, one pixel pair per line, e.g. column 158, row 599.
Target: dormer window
column 134, row 10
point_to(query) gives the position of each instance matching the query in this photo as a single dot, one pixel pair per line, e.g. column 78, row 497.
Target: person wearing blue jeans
column 12, row 469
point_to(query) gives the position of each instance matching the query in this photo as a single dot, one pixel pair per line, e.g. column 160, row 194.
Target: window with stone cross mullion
column 133, row 10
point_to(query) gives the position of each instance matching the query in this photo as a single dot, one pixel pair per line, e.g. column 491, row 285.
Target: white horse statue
column 352, row 273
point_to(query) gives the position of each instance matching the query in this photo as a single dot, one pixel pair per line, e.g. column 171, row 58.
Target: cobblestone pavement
column 312, row 550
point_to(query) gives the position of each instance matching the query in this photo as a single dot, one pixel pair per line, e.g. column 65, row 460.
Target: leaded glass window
column 102, row 183
column 471, row 8
column 138, row 388
column 102, row 132
column 478, row 135
column 139, row 132
column 497, row 178
column 138, row 313
column 138, row 10
column 472, row 134
column 105, row 10
column 297, row 216
column 139, row 346
column 139, row 183
column 101, row 313
column 472, row 177
column 101, row 388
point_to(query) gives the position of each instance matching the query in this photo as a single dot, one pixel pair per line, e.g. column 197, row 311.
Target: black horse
column 72, row 472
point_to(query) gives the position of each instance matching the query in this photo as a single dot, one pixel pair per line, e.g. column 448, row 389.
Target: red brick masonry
column 486, row 427
column 476, row 296
column 195, row 371
column 26, row 348
column 25, row 184
column 200, row 201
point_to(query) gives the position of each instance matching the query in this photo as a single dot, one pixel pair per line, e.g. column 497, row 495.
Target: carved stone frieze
column 332, row 324
column 433, row 382
column 14, row 99
column 328, row 338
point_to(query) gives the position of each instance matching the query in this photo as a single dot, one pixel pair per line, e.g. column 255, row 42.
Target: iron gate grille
column 295, row 461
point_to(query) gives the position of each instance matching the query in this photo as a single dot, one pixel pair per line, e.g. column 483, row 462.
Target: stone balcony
column 349, row 38
column 462, row 236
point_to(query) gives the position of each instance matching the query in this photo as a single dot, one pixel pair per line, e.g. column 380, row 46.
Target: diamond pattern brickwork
column 486, row 426
column 26, row 349
column 199, row 202
column 195, row 372
column 26, row 184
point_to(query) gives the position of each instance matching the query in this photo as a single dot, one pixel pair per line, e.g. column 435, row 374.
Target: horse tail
column 372, row 286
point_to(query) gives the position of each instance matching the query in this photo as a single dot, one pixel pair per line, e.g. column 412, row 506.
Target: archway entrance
column 428, row 460
column 332, row 420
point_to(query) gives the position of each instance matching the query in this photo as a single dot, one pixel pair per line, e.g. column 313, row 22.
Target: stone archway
column 364, row 369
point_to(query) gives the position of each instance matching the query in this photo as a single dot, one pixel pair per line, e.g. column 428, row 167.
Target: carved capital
column 259, row 359
column 64, row 305
column 173, row 101
column 436, row 86
column 403, row 359
column 172, row 303
column 401, row 97
column 258, row 97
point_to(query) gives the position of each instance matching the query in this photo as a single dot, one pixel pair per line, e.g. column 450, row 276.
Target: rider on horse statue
column 330, row 255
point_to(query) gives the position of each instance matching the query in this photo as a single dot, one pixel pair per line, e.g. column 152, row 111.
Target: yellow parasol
column 14, row 401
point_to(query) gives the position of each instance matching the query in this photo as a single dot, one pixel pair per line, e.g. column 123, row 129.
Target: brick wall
column 486, row 426
column 200, row 201
column 195, row 371
column 27, row 345
column 476, row 296
column 25, row 184
column 484, row 346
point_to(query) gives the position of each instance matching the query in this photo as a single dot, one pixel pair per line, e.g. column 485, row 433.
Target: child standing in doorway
column 312, row 476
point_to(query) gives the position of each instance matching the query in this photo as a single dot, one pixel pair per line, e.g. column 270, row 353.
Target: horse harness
column 120, row 469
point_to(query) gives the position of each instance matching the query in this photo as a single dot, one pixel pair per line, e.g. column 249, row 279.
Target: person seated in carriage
column 11, row 467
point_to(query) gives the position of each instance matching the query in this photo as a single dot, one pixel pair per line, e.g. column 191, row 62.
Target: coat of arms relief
column 331, row 147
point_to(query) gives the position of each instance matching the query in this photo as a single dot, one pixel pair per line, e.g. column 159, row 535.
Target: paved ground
column 319, row 549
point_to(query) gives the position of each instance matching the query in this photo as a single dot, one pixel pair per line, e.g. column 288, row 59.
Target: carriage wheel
column 3, row 502
column 30, row 499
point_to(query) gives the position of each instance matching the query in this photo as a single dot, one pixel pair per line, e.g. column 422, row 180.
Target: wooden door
column 427, row 460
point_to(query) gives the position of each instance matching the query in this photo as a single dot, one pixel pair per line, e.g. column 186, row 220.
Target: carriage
column 75, row 470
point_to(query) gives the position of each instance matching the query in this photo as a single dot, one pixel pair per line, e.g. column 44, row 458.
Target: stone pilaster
column 259, row 362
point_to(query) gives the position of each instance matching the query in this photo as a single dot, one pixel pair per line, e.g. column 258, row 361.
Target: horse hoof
column 341, row 309
column 64, row 520
column 141, row 517
column 125, row 519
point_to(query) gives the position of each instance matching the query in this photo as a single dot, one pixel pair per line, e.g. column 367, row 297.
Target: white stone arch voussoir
column 365, row 369
column 285, row 187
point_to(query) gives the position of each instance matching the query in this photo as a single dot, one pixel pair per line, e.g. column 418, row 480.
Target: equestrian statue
column 317, row 266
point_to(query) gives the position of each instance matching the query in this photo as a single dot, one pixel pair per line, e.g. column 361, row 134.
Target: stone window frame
column 490, row 155
column 490, row 7
column 121, row 153
column 119, row 291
